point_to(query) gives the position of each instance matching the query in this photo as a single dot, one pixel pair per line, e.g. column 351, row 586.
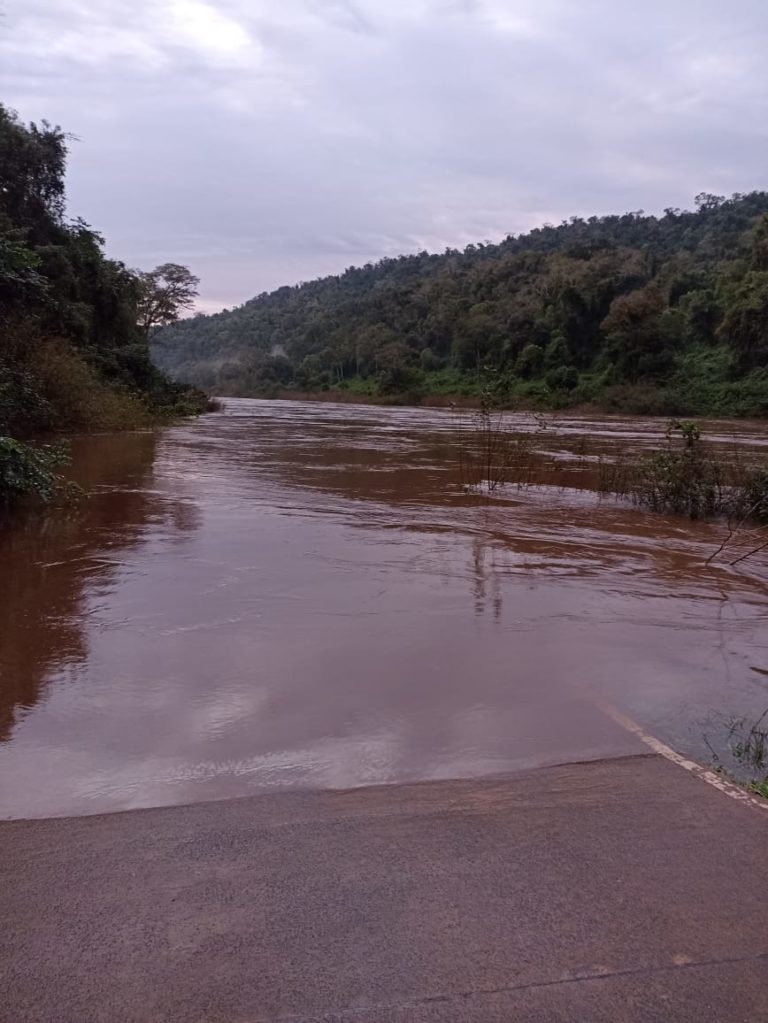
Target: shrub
column 491, row 455
column 562, row 378
column 31, row 472
column 689, row 478
column 430, row 361
column 643, row 400
column 23, row 409
column 401, row 380
column 754, row 495
column 556, row 354
column 529, row 362
column 79, row 397
column 683, row 480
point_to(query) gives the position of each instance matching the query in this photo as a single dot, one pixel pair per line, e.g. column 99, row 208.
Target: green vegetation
column 73, row 350
column 682, row 480
column 691, row 477
column 163, row 293
column 664, row 315
column 31, row 472
column 688, row 477
column 749, row 742
column 748, row 745
column 490, row 454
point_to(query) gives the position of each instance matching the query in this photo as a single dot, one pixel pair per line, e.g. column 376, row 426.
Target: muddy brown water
column 290, row 594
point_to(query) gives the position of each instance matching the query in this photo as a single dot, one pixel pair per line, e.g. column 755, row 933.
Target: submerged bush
column 27, row 472
column 490, row 454
column 689, row 478
column 755, row 495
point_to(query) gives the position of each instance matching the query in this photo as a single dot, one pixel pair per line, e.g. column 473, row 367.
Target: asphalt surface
column 623, row 890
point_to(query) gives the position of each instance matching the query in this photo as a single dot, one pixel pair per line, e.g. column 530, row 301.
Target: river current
column 304, row 594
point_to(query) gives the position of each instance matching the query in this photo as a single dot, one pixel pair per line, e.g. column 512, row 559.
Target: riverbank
column 563, row 893
column 436, row 401
column 347, row 397
column 75, row 324
column 726, row 401
column 31, row 469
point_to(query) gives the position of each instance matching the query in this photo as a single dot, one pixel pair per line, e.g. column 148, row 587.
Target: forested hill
column 662, row 314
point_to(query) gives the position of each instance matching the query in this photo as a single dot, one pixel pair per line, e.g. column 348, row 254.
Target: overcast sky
column 263, row 142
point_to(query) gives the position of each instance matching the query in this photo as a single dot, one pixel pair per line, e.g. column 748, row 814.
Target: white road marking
column 710, row 777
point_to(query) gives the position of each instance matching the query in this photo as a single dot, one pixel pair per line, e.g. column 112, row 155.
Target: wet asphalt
column 619, row 890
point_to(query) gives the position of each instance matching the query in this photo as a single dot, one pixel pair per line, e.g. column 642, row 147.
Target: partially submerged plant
column 30, row 472
column 749, row 743
column 490, row 454
column 684, row 479
column 749, row 746
column 688, row 477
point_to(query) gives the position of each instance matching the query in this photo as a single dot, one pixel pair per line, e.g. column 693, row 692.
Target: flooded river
column 285, row 594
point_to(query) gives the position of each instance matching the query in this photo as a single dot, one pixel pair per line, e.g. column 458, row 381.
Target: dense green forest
column 73, row 355
column 641, row 313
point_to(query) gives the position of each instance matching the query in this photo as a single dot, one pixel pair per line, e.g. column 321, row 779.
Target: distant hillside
column 660, row 314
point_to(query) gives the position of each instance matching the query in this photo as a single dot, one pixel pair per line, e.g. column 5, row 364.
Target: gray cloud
column 264, row 143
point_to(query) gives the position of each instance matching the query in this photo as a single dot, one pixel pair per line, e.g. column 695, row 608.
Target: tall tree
column 165, row 293
column 32, row 164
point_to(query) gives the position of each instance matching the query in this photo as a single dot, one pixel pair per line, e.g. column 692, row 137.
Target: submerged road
column 621, row 890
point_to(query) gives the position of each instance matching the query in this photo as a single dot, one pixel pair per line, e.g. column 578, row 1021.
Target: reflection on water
column 288, row 594
column 49, row 559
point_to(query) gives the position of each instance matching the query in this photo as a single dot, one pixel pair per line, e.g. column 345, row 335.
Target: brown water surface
column 302, row 594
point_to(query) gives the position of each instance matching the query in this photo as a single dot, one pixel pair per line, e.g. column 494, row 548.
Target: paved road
column 624, row 890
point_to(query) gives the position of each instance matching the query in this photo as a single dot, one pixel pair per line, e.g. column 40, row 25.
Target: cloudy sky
column 264, row 142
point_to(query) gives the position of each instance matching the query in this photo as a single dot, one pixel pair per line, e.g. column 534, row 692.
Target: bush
column 23, row 409
column 588, row 389
column 682, row 480
column 430, row 361
column 399, row 379
column 78, row 395
column 747, row 397
column 31, row 472
column 643, row 400
column 529, row 362
column 556, row 354
column 562, row 378
column 689, row 478
column 754, row 496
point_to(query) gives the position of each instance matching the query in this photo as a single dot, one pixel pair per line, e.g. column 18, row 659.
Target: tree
column 72, row 355
column 759, row 240
column 164, row 293
column 745, row 327
column 32, row 165
column 556, row 353
column 529, row 362
column 636, row 343
column 562, row 378
column 397, row 373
